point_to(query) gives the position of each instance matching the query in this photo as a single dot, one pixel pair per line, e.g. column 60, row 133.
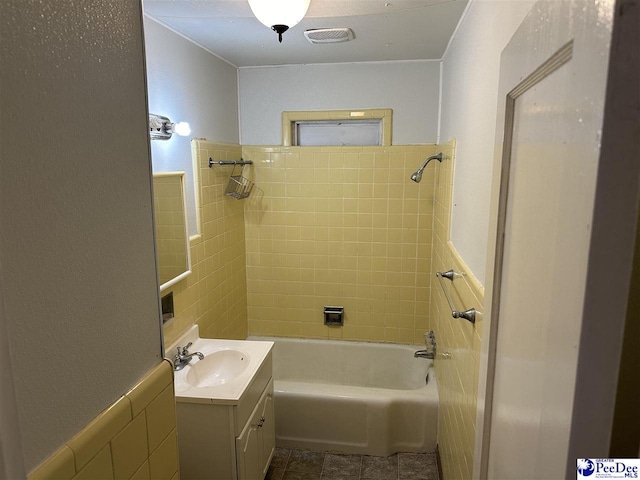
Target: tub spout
column 424, row 354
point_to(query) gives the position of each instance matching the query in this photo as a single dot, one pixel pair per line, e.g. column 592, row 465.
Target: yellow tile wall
column 458, row 375
column 339, row 226
column 135, row 438
column 215, row 295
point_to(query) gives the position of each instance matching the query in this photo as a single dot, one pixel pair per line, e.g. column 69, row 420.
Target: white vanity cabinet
column 256, row 443
column 228, row 439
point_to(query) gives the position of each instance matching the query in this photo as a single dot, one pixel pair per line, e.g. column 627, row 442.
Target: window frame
column 290, row 118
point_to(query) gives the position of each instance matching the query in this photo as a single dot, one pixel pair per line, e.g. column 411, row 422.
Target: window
column 338, row 132
column 337, row 127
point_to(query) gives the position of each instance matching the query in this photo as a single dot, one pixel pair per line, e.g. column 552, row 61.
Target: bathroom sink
column 217, row 368
column 225, row 374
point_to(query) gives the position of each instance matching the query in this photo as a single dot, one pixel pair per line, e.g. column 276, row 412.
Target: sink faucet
column 183, row 357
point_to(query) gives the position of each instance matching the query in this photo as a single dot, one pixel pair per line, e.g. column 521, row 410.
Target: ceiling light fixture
column 279, row 15
column 161, row 128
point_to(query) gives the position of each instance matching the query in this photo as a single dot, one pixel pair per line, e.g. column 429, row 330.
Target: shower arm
column 417, row 176
column 426, row 162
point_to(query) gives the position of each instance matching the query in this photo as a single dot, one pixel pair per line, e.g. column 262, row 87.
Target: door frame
column 616, row 210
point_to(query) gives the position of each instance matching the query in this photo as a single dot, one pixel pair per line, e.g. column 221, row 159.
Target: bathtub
column 353, row 397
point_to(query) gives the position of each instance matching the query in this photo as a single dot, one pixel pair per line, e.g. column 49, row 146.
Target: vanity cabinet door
column 256, row 443
column 267, row 429
column 248, row 451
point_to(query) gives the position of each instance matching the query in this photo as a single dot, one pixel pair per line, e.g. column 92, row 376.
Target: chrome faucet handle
column 429, row 339
column 185, row 349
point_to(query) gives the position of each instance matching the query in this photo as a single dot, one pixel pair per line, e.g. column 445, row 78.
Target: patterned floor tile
column 289, row 475
column 274, row 473
column 338, row 476
column 307, row 462
column 379, row 468
column 417, row 466
column 280, row 457
column 305, row 465
column 341, row 463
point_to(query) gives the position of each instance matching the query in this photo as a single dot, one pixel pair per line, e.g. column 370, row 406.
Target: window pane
column 343, row 132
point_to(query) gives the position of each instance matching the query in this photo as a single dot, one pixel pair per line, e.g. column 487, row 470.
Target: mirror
column 172, row 243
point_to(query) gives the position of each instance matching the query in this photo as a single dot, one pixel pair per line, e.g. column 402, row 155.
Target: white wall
column 187, row 83
column 471, row 68
column 79, row 290
column 409, row 88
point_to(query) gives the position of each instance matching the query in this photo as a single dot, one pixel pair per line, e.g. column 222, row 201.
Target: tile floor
column 305, row 465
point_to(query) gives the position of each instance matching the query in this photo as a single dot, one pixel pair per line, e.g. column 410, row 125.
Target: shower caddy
column 239, row 186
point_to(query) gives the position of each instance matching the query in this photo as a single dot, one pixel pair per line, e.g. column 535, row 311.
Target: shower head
column 417, row 176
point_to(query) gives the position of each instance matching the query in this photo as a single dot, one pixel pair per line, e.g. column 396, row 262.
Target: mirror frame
column 187, row 272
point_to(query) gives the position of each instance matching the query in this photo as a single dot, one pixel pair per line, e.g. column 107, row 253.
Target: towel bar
column 470, row 314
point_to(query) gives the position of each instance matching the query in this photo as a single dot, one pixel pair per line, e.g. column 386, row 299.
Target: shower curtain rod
column 213, row 162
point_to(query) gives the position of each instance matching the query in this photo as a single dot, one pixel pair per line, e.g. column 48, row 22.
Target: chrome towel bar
column 450, row 275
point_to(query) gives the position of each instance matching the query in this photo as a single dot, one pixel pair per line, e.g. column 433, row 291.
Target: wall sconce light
column 279, row 15
column 161, row 128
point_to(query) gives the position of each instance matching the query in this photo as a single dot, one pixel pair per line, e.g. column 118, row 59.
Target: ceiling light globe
column 279, row 12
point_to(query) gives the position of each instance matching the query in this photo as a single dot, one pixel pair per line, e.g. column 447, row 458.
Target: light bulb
column 181, row 128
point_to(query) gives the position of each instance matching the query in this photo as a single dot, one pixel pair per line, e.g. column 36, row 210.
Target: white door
column 552, row 82
column 546, row 246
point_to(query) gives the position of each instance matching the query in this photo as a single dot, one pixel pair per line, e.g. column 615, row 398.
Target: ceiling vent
column 329, row 35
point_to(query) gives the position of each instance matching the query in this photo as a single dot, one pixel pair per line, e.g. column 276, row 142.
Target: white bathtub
column 353, row 397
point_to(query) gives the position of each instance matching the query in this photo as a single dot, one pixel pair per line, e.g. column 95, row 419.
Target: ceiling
column 384, row 30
